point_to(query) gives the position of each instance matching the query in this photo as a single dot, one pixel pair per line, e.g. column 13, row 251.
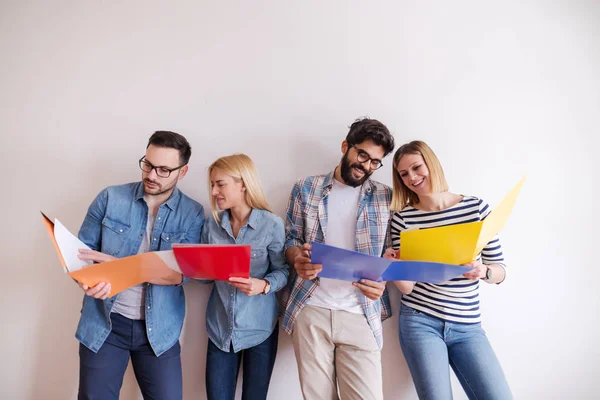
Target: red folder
column 214, row 262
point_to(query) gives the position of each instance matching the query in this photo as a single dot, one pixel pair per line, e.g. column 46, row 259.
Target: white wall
column 498, row 89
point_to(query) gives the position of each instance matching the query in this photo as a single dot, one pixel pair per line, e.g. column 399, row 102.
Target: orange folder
column 122, row 273
column 212, row 262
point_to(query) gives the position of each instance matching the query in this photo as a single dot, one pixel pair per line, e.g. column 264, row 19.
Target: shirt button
column 148, row 307
column 121, row 230
column 167, row 238
column 159, row 218
column 155, row 239
column 149, row 329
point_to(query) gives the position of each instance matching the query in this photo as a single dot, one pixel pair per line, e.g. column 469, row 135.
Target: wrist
column 487, row 273
column 266, row 288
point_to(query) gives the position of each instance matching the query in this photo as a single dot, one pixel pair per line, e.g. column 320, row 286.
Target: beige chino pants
column 336, row 348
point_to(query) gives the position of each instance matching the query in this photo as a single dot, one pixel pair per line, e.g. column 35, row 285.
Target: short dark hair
column 370, row 129
column 172, row 140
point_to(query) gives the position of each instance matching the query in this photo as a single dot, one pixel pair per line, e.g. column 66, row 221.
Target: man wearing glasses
column 143, row 322
column 336, row 325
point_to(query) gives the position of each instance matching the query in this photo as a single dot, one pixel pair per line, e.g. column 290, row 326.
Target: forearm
column 291, row 253
column 172, row 278
column 278, row 279
column 406, row 287
column 498, row 273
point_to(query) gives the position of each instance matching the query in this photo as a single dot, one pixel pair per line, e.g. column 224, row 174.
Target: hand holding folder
column 433, row 255
column 211, row 262
column 461, row 243
column 352, row 266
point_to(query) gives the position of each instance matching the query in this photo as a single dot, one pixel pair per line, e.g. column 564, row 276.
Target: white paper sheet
column 69, row 246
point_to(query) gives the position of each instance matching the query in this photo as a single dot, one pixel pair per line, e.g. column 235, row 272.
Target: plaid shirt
column 306, row 222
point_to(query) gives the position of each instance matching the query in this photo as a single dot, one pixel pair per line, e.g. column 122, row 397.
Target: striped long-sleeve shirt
column 456, row 300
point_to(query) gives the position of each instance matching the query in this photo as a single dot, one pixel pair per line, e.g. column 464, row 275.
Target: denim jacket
column 115, row 224
column 232, row 317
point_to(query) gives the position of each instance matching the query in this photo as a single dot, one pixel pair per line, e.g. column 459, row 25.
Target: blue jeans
column 222, row 370
column 101, row 373
column 429, row 344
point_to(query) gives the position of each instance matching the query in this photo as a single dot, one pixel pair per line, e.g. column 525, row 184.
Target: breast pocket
column 114, row 235
column 258, row 262
column 168, row 238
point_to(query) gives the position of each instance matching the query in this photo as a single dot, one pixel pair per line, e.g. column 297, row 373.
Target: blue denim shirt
column 232, row 317
column 115, row 224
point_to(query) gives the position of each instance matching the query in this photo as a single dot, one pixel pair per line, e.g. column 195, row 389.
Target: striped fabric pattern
column 306, row 222
column 456, row 300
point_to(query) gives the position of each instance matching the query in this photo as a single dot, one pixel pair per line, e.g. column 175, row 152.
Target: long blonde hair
column 241, row 168
column 402, row 196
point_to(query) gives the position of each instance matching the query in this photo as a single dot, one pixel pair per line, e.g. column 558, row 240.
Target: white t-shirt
column 342, row 210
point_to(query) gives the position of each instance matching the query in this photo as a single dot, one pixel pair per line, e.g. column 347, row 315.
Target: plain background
column 499, row 89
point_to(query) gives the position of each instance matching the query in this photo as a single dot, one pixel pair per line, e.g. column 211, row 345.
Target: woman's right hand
column 391, row 254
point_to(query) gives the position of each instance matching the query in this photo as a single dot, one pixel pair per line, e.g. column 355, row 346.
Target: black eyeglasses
column 362, row 157
column 163, row 172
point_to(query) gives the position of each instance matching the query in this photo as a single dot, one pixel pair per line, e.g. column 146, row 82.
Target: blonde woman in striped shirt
column 440, row 324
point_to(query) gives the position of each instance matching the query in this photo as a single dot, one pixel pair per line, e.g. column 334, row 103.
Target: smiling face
column 355, row 172
column 226, row 191
column 414, row 173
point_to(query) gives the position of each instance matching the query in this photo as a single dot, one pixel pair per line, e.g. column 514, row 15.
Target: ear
column 182, row 172
column 345, row 147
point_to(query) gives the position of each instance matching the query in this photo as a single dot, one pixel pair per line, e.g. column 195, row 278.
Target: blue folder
column 350, row 265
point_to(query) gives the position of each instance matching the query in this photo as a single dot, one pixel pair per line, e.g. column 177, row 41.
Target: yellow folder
column 457, row 244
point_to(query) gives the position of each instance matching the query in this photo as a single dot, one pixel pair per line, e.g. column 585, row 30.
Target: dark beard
column 160, row 188
column 346, row 172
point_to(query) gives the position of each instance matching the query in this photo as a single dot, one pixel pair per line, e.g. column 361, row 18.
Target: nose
column 366, row 165
column 371, row 166
column 152, row 175
column 215, row 190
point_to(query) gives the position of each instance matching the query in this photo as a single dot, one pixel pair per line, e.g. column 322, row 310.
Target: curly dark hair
column 371, row 129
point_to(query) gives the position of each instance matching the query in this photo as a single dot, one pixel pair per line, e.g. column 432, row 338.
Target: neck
column 436, row 201
column 239, row 214
column 154, row 202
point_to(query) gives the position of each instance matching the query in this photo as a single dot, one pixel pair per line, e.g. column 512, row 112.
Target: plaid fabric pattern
column 306, row 222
